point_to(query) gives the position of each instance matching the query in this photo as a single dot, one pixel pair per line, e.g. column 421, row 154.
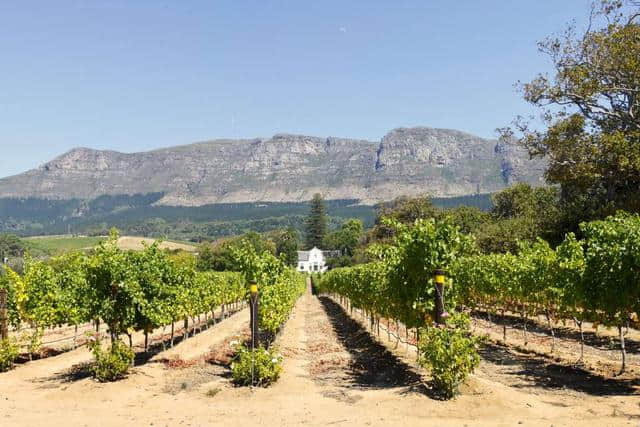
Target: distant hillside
column 137, row 215
column 285, row 168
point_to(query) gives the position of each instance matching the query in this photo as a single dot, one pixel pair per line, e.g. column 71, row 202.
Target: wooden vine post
column 439, row 314
column 255, row 339
column 4, row 317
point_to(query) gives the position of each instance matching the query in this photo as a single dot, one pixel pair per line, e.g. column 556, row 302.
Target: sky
column 137, row 75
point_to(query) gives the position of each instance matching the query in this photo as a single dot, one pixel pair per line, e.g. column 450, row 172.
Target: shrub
column 9, row 352
column 111, row 364
column 262, row 367
column 451, row 353
column 32, row 341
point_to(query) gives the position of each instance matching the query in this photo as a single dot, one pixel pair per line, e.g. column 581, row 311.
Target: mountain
column 286, row 168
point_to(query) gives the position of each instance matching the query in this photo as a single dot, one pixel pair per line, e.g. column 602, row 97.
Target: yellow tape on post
column 253, row 289
column 440, row 279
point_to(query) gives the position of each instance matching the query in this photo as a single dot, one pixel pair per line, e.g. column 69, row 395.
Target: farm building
column 314, row 260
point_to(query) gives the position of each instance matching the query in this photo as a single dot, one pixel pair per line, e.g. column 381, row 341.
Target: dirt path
column 51, row 392
column 335, row 373
column 138, row 244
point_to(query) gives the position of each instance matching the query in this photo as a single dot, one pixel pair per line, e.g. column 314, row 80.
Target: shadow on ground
column 372, row 365
column 143, row 357
column 538, row 371
column 590, row 338
column 83, row 370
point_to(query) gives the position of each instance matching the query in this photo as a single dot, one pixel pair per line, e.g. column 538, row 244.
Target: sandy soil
column 335, row 373
column 601, row 348
column 135, row 244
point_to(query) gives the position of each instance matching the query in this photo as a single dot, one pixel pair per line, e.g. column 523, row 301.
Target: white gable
column 312, row 260
column 315, row 254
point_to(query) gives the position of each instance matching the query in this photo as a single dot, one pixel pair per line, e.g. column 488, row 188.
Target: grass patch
column 58, row 244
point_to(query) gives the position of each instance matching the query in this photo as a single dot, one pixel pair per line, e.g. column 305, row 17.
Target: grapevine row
column 595, row 278
column 129, row 291
column 279, row 285
column 141, row 291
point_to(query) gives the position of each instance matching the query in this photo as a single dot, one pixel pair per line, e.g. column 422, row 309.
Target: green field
column 56, row 244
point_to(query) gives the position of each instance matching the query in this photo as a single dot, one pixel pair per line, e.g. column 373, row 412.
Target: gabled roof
column 305, row 255
column 331, row 254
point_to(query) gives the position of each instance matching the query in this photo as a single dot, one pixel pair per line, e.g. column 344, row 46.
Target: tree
column 221, row 256
column 503, row 235
column 591, row 111
column 520, row 213
column 407, row 209
column 522, row 200
column 10, row 245
column 402, row 209
column 206, row 257
column 286, row 242
column 346, row 238
column 316, row 223
column 469, row 218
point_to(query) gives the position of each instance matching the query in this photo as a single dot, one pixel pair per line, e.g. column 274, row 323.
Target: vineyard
column 334, row 339
column 129, row 291
column 594, row 279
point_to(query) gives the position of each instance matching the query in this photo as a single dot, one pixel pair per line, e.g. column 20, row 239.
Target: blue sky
column 137, row 75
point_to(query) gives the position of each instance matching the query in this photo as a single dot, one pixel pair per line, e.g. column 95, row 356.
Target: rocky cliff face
column 286, row 167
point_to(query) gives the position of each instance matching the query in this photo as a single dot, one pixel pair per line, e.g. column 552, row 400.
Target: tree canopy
column 346, row 238
column 286, row 242
column 590, row 107
column 221, row 256
column 316, row 222
column 10, row 245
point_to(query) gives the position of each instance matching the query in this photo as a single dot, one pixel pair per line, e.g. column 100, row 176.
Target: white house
column 311, row 261
column 314, row 260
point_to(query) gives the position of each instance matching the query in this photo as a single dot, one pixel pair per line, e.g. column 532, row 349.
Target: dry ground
column 335, row 373
column 136, row 244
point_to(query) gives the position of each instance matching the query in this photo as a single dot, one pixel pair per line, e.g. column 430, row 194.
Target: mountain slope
column 286, row 167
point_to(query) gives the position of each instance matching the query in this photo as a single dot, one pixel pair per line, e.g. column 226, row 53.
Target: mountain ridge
column 286, row 167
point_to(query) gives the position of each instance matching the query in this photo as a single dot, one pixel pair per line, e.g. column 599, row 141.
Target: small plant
column 111, row 364
column 261, row 367
column 212, row 392
column 451, row 353
column 32, row 341
column 9, row 352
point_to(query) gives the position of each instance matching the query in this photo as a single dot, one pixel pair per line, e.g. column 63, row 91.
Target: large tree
column 591, row 112
column 346, row 238
column 520, row 213
column 316, row 223
column 221, row 256
column 286, row 242
column 10, row 245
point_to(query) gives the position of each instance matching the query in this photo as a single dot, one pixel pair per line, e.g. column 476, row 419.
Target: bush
column 9, row 352
column 112, row 364
column 267, row 366
column 451, row 353
column 32, row 341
